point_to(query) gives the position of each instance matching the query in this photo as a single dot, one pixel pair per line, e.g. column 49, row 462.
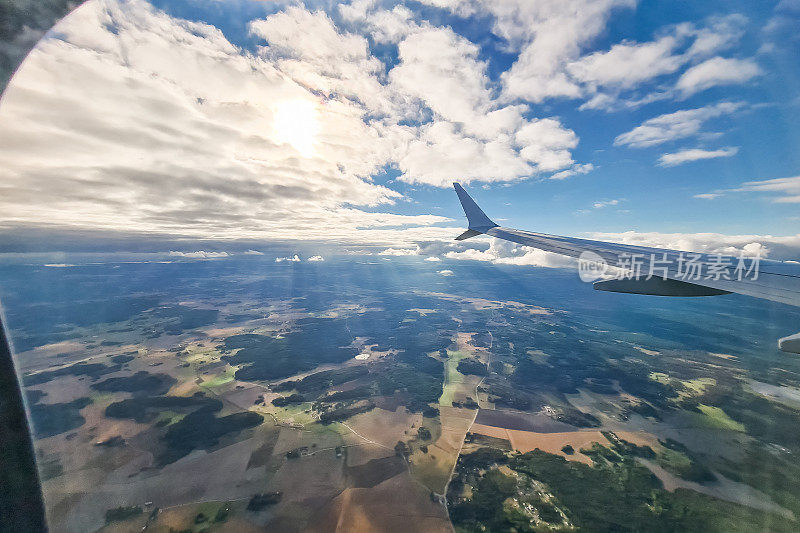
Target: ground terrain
column 239, row 395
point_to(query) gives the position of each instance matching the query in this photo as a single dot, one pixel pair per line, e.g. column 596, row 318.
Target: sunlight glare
column 295, row 123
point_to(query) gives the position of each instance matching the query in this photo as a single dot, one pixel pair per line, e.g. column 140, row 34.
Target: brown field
column 386, row 427
column 359, row 453
column 182, row 518
column 69, row 388
column 263, row 455
column 519, row 420
column 375, row 471
column 433, row 469
column 213, row 475
column 222, row 332
column 526, row 441
column 379, row 509
column 245, row 398
column 479, row 440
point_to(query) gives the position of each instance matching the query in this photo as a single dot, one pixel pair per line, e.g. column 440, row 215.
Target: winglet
column 477, row 219
column 790, row 344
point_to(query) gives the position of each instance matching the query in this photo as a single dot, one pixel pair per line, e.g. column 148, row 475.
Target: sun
column 295, row 123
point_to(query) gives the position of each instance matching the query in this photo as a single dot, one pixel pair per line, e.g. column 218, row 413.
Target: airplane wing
column 634, row 269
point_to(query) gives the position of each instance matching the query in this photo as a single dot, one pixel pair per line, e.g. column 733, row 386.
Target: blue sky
column 651, row 197
column 650, row 122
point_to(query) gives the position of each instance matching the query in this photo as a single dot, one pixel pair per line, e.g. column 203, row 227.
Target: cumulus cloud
column 717, row 71
column 445, row 272
column 200, row 254
column 671, row 126
column 293, row 259
column 203, row 112
column 551, row 37
column 472, row 136
column 695, row 154
column 202, row 147
column 316, row 259
column 628, row 64
column 780, row 248
column 460, row 7
column 432, row 258
column 453, row 123
column 506, row 253
column 221, row 162
column 721, row 33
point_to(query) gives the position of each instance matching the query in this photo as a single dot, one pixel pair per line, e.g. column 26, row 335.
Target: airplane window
column 419, row 265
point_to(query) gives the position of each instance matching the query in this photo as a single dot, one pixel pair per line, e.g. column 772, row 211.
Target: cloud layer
column 128, row 119
column 162, row 125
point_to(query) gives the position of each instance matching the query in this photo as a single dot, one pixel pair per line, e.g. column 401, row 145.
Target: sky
column 660, row 123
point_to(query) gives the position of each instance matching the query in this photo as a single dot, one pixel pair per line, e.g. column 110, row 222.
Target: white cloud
column 671, row 126
column 549, row 35
column 471, row 136
column 783, row 190
column 720, row 34
column 442, row 153
column 191, row 151
column 309, row 47
column 461, row 7
column 400, row 251
column 627, row 64
column 200, row 254
column 442, row 69
column 253, row 252
column 605, row 203
column 576, row 169
column 787, row 189
column 445, row 272
column 779, row 248
column 606, row 75
column 316, row 259
column 432, row 258
column 464, row 131
column 695, row 154
column 506, row 253
column 717, row 71
column 383, row 24
column 199, row 148
column 293, row 259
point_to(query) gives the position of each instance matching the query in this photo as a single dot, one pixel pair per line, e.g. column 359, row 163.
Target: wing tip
column 476, row 218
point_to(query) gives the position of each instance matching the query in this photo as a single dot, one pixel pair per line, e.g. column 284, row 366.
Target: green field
column 453, row 379
column 717, row 418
